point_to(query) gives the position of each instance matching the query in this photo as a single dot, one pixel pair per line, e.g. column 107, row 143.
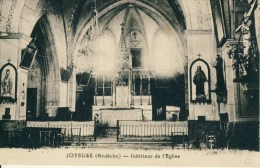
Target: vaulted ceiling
column 68, row 21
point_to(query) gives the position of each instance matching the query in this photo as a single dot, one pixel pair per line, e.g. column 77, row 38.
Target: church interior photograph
column 172, row 73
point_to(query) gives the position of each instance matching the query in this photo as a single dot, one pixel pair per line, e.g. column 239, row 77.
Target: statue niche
column 7, row 83
column 200, row 82
column 8, row 86
column 199, row 79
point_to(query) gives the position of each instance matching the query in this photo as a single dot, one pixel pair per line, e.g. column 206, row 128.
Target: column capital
column 229, row 44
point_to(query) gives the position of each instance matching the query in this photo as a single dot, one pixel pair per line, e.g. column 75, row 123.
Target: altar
column 121, row 104
column 122, row 98
column 110, row 116
column 124, row 93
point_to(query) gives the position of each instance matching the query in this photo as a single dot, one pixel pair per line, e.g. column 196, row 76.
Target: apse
column 130, row 59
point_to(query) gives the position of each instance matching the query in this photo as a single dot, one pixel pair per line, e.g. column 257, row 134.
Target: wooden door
column 31, row 103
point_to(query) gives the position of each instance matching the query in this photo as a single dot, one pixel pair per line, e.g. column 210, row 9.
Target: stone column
column 95, row 99
column 103, row 90
column 201, row 42
column 230, row 75
column 130, row 88
column 134, row 85
column 72, row 85
column 114, row 91
column 141, row 89
column 149, row 91
column 111, row 85
column 257, row 24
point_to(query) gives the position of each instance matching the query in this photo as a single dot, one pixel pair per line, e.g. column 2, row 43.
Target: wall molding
column 198, row 31
column 17, row 36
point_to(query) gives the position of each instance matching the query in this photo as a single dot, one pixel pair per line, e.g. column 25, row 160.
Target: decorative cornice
column 229, row 43
column 198, row 31
column 10, row 16
column 17, row 36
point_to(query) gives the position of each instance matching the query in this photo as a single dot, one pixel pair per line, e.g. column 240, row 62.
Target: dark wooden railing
column 87, row 127
column 70, row 130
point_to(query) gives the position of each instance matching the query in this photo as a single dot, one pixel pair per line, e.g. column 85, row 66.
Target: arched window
column 168, row 59
column 103, row 54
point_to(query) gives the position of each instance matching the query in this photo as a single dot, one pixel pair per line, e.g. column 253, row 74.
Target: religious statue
column 199, row 79
column 247, row 44
column 246, row 29
column 220, row 76
column 7, row 83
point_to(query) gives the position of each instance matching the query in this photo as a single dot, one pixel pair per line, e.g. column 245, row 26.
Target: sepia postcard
column 166, row 83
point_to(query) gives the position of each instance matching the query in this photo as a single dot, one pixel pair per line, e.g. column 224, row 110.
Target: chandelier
column 88, row 43
column 93, row 30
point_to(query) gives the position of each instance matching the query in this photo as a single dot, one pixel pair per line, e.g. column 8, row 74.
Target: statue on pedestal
column 7, row 84
column 247, row 62
column 247, row 45
column 220, row 76
column 199, row 79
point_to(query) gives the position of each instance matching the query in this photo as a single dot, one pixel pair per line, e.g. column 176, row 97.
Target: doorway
column 31, row 103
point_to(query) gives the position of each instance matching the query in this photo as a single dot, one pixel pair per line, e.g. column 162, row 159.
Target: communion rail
column 153, row 130
column 84, row 130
